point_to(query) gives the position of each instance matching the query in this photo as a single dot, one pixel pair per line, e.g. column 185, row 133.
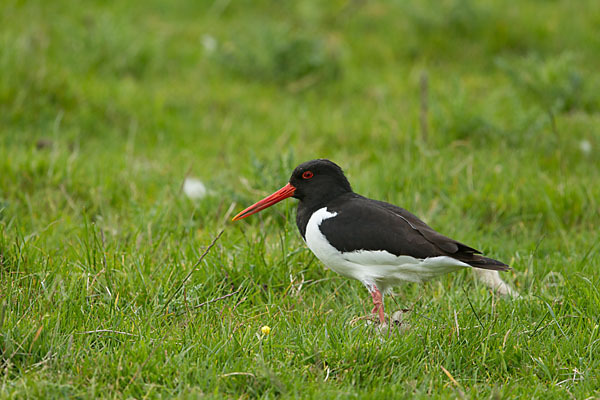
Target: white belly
column 374, row 267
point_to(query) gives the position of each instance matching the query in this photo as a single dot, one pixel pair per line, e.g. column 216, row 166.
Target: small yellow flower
column 265, row 330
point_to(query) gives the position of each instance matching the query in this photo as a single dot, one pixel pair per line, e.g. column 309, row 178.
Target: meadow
column 482, row 118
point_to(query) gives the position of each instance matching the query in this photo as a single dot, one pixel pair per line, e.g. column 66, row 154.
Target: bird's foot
column 397, row 323
column 396, row 326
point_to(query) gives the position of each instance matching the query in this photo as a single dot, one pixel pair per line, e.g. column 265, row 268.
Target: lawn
column 483, row 118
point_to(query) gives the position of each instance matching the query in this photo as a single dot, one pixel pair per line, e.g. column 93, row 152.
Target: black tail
column 482, row 262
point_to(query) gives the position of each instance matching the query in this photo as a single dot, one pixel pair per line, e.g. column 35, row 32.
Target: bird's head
column 313, row 182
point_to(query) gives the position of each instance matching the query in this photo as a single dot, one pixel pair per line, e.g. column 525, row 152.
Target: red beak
column 283, row 193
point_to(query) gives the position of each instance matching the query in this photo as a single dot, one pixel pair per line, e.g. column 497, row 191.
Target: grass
column 106, row 108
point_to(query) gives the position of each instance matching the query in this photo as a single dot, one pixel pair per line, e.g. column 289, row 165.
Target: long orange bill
column 283, row 193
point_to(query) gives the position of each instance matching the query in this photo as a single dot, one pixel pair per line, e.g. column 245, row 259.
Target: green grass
column 105, row 108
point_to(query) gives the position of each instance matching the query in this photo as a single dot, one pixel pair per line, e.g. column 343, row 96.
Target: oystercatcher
column 377, row 243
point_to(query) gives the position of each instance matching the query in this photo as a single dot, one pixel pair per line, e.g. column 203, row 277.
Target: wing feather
column 365, row 224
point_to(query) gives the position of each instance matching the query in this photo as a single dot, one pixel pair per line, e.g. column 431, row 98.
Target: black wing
column 365, row 224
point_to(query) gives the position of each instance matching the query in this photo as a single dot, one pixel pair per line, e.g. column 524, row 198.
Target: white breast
column 374, row 267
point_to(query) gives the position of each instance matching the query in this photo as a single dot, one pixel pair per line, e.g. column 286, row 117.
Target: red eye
column 307, row 175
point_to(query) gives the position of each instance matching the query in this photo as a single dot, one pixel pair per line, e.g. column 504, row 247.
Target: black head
column 318, row 181
column 314, row 183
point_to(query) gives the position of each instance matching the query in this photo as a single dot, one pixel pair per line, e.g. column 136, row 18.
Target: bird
column 377, row 243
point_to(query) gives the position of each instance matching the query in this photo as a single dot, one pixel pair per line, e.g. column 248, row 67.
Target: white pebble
column 585, row 146
column 194, row 188
column 209, row 43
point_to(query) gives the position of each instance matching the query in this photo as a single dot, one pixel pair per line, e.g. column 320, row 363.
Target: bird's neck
column 306, row 208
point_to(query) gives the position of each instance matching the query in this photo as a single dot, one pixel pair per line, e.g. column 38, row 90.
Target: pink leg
column 378, row 302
